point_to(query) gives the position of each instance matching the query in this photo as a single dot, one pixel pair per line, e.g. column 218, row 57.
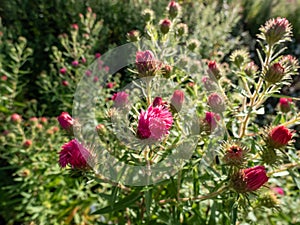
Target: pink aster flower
column 74, row 154
column 154, row 123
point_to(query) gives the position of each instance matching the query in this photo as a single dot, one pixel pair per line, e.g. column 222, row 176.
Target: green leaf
column 122, row 204
column 234, row 212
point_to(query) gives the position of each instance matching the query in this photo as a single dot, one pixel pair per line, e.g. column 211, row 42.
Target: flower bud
column 209, row 84
column 193, row 44
column 66, row 121
column 239, row 57
column 181, row 29
column 75, row 63
column 165, row 26
column 34, row 120
column 4, row 78
column 211, row 121
column 75, row 26
column 250, row 179
column 63, row 71
column 285, row 104
column 97, row 55
column 276, row 30
column 269, row 200
column 251, row 69
column 275, row 73
column 44, row 120
column 120, row 99
column 146, row 63
column 173, row 9
column 216, row 102
column 65, row 83
column 279, row 136
column 177, row 100
column 101, row 130
column 157, row 101
column 27, row 143
column 133, row 35
column 167, row 71
column 148, row 15
column 214, row 70
column 16, row 118
column 278, row 190
column 110, row 85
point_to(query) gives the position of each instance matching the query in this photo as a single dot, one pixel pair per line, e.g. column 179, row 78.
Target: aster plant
column 202, row 114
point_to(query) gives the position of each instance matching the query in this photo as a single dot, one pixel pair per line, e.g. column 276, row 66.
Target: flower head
column 154, row 123
column 148, row 15
column 65, row 83
column 65, row 121
column 250, row 179
column 279, row 137
column 74, row 154
column 208, row 83
column 276, row 31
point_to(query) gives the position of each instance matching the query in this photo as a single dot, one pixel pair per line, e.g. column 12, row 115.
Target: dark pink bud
column 97, row 55
column 157, row 101
column 214, row 70
column 88, row 73
column 173, row 9
column 165, row 26
column 285, row 104
column 177, row 100
column 216, row 102
column 63, row 71
column 65, row 121
column 83, row 60
column 110, row 85
column 279, row 136
column 65, row 83
column 211, row 119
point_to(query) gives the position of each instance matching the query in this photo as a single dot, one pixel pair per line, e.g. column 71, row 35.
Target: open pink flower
column 74, row 154
column 154, row 123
